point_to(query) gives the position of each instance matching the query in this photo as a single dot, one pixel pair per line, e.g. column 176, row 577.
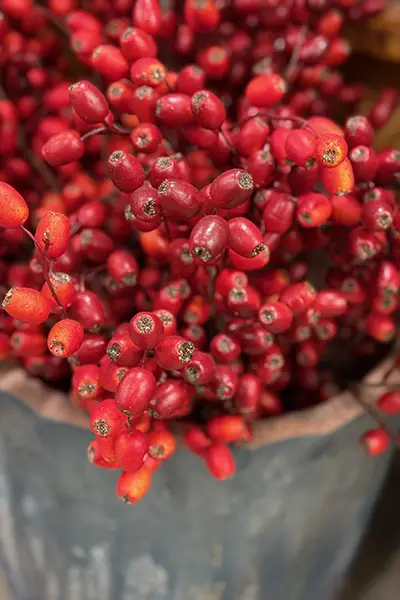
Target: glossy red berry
column 219, row 461
column 135, row 390
column 125, row 171
column 275, row 317
column 230, row 189
column 174, row 352
column 338, row 180
column 375, row 441
column 88, row 310
column 208, row 110
column 13, row 209
column 109, row 61
column 131, row 448
column 180, row 199
column 123, row 267
column 245, row 238
column 147, row 16
column 63, row 148
column 136, row 43
column 88, row 102
column 228, row 428
column 146, row 137
column 146, row 330
column 313, row 209
column 208, row 239
column 200, row 369
column 122, row 350
column 358, row 132
column 168, row 398
column 298, row 297
column 377, row 215
column 265, row 90
column 300, row 146
column 175, row 110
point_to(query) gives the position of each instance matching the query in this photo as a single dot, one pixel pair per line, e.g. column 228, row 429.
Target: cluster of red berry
column 157, row 203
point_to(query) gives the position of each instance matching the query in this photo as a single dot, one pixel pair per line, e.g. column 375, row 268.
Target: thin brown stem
column 375, row 416
column 92, row 132
column 45, row 265
column 294, row 59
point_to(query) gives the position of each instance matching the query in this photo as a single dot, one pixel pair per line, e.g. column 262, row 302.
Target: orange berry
column 330, row 150
column 131, row 487
column 162, row 444
column 52, row 233
column 65, row 337
column 27, row 305
column 13, row 209
column 339, row 180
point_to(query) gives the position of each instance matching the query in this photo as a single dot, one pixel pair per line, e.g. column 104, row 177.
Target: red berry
column 375, row 441
column 208, row 110
column 228, row 428
column 125, row 171
column 109, row 61
column 131, row 448
column 52, row 233
column 174, row 353
column 169, row 397
column 275, row 317
column 147, row 16
column 231, row 188
column 300, row 146
column 313, row 209
column 146, row 330
column 180, row 199
column 265, row 90
column 63, row 148
column 135, row 391
column 219, row 461
column 245, row 238
column 88, row 102
column 136, row 43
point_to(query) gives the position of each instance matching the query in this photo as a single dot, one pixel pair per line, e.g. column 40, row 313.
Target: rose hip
column 63, row 148
column 135, row 391
column 375, row 441
column 131, row 448
column 13, row 209
column 65, row 337
column 208, row 239
column 219, row 461
column 146, row 330
column 162, row 444
column 27, row 305
column 245, row 238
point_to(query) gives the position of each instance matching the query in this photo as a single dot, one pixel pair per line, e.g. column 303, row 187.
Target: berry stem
column 374, row 413
column 294, row 59
column 45, row 264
